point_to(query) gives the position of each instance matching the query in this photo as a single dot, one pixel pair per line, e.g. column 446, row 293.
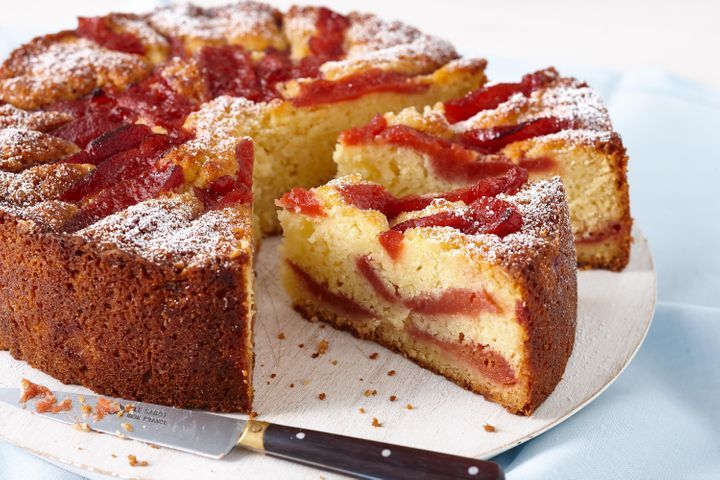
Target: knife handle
column 360, row 458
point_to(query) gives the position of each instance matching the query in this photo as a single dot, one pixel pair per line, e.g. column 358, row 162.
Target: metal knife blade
column 191, row 431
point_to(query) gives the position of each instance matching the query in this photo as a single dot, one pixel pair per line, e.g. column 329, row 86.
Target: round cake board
column 614, row 315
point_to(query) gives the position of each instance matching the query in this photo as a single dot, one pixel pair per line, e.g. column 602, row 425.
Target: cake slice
column 477, row 284
column 548, row 124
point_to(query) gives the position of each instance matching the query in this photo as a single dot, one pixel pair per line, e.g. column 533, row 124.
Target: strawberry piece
column 99, row 30
column 228, row 70
column 300, row 200
column 116, row 141
column 327, row 43
column 93, row 115
column 488, row 98
column 493, row 139
column 230, row 190
column 485, row 215
column 367, row 196
column 365, row 133
column 508, row 183
column 323, row 91
column 154, row 100
column 126, row 193
column 121, row 166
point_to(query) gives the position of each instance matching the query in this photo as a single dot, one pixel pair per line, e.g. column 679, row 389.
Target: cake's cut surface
column 477, row 284
column 548, row 124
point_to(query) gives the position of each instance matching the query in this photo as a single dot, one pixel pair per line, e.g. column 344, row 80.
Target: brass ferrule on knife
column 253, row 437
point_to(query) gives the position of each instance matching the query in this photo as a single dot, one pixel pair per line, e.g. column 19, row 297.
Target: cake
column 127, row 185
column 549, row 124
column 477, row 284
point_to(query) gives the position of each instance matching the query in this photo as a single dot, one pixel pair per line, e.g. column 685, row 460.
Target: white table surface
column 661, row 419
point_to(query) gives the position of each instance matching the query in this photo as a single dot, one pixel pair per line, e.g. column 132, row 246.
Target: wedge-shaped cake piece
column 477, row 284
column 548, row 124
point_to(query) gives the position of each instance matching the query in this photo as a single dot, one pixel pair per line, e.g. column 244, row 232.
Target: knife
column 214, row 436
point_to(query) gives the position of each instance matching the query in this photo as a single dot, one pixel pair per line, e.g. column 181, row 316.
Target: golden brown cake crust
column 122, row 325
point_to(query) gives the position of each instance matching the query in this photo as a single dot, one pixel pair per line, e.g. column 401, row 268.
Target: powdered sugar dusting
column 173, row 229
column 11, row 116
column 387, row 45
column 217, row 23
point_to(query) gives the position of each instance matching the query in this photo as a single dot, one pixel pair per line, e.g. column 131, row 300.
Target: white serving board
column 614, row 314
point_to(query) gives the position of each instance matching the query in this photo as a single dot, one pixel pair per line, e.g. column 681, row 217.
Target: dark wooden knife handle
column 368, row 459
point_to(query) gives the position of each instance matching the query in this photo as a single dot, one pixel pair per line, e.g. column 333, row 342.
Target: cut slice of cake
column 548, row 124
column 477, row 284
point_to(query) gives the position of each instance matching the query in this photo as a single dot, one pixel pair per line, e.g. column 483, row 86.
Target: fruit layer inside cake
column 476, row 284
column 548, row 124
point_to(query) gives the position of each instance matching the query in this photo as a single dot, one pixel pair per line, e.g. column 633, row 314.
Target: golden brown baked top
column 120, row 131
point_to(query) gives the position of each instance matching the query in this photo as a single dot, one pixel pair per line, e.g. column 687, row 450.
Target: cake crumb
column 301, row 345
column 127, row 427
column 306, row 381
column 333, row 362
column 113, row 455
column 321, row 396
column 393, row 398
column 292, row 385
column 152, row 445
column 81, row 426
column 489, row 428
column 103, row 407
column 281, row 336
column 409, row 406
column 64, row 406
column 391, row 373
column 374, row 356
column 81, row 398
column 134, row 462
column 273, row 375
column 253, row 415
column 361, row 410
column 370, row 393
column 376, row 422
column 86, row 410
column 321, row 349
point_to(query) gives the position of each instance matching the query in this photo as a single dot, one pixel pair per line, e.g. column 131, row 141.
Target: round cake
column 127, row 184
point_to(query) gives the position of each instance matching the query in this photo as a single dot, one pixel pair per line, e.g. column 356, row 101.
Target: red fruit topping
column 128, row 192
column 327, row 43
column 488, row 98
column 300, row 200
column 153, row 99
column 509, row 183
column 494, row 139
column 391, row 241
column 486, row 361
column 366, row 133
column 485, row 215
column 94, row 116
column 323, row 91
column 228, row 70
column 115, row 141
column 453, row 301
column 322, row 292
column 99, row 30
column 367, row 196
column 368, row 271
column 121, row 166
column 229, row 190
column 540, row 164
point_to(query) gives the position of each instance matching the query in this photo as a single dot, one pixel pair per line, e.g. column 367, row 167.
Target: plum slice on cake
column 477, row 284
column 548, row 124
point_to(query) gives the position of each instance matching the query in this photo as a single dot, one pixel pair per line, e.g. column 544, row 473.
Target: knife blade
column 214, row 436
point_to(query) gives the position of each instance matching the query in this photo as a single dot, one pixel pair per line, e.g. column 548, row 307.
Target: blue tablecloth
column 661, row 418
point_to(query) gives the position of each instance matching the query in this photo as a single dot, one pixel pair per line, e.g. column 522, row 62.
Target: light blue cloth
column 661, row 419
